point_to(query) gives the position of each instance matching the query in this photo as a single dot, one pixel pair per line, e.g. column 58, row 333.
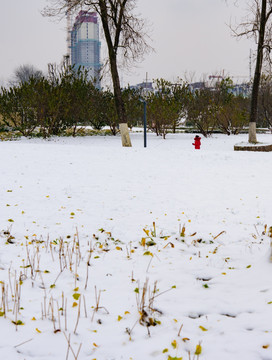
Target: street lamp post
column 145, row 124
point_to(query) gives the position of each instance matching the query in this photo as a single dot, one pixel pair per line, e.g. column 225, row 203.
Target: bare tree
column 257, row 25
column 23, row 73
column 125, row 36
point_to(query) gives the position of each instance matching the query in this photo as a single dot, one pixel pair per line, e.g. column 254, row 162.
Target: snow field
column 67, row 203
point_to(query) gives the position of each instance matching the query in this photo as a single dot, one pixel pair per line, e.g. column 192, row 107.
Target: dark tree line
column 65, row 100
column 47, row 105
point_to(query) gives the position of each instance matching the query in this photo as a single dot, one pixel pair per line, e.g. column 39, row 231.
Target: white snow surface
column 66, row 203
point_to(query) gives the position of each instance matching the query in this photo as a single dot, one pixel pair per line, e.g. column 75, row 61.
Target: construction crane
column 221, row 77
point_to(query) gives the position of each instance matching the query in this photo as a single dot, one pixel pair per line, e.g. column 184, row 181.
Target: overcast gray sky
column 189, row 37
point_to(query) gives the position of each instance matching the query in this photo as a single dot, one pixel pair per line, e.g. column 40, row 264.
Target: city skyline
column 191, row 39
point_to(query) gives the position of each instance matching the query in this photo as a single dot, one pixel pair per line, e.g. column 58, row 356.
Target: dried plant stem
column 149, row 264
column 54, row 283
column 85, row 308
column 180, row 329
column 23, row 343
column 44, row 305
column 97, row 300
column 6, row 298
column 62, row 303
column 51, row 306
column 68, row 348
column 61, row 253
column 51, row 251
column 3, row 298
column 78, row 247
column 76, row 270
column 256, row 230
column 65, row 314
column 58, row 311
column 68, row 339
column 10, row 286
column 222, row 232
column 78, row 315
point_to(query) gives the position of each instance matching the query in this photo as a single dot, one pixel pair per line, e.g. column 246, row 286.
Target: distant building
column 243, row 90
column 197, row 86
column 85, row 45
column 144, row 87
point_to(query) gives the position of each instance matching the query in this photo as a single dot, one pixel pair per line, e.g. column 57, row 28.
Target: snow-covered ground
column 135, row 253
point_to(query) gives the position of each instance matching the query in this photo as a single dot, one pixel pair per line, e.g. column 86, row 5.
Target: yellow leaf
column 74, row 304
column 266, row 346
column 174, row 344
column 202, row 328
column 148, row 253
column 76, row 296
column 183, row 231
column 119, row 317
column 198, row 350
column 118, row 248
column 143, row 242
column 223, row 273
column 175, row 320
column 185, row 339
column 33, row 318
column 94, row 344
column 164, row 351
column 39, row 331
column 127, row 312
column 146, row 231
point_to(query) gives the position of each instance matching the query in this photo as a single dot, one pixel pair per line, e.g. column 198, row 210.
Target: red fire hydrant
column 197, row 142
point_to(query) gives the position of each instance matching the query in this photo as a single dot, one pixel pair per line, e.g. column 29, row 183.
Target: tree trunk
column 252, row 138
column 112, row 49
column 119, row 103
column 125, row 135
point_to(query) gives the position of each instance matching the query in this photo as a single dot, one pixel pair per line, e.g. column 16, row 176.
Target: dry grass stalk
column 78, row 314
column 97, row 301
column 3, row 299
column 68, row 339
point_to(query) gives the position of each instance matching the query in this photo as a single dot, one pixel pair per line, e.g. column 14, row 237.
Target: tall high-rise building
column 85, row 45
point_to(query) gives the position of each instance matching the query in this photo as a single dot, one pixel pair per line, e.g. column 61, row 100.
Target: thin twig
column 23, row 343
column 180, row 329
